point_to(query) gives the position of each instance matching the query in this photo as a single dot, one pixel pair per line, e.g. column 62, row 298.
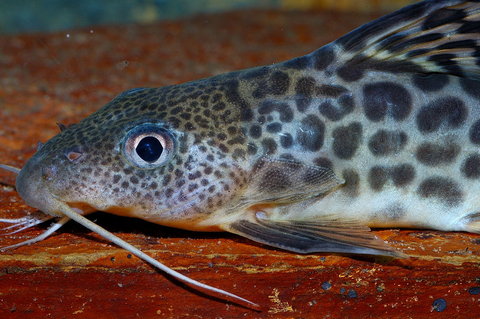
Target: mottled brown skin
column 211, row 155
column 186, row 112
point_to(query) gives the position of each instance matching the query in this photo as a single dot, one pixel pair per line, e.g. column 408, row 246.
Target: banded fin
column 279, row 183
column 327, row 235
column 433, row 36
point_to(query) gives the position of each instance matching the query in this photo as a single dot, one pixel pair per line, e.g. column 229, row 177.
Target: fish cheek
column 95, row 180
column 196, row 183
column 66, row 181
column 214, row 187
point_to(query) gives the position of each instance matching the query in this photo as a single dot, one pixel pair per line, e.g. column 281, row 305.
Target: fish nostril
column 48, row 172
column 74, row 153
column 73, row 156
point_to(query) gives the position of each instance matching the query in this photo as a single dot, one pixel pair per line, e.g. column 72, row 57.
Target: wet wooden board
column 65, row 76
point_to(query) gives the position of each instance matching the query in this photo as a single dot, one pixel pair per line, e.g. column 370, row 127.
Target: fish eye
column 149, row 149
column 148, row 146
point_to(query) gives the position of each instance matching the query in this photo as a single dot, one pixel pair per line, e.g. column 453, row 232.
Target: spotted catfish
column 380, row 128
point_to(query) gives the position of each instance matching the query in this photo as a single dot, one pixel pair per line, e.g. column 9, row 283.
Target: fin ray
column 313, row 236
column 282, row 181
column 441, row 36
column 472, row 222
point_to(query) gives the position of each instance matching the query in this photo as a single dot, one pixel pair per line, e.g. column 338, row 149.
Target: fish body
column 380, row 128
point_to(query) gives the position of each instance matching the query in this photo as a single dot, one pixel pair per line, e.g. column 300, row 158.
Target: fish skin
column 377, row 129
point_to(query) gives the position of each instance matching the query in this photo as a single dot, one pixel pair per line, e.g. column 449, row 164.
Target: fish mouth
column 36, row 193
column 32, row 185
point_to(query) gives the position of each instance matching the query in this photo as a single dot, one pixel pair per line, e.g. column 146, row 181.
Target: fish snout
column 48, row 173
column 31, row 186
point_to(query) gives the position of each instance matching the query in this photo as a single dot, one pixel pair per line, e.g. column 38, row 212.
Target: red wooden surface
column 74, row 274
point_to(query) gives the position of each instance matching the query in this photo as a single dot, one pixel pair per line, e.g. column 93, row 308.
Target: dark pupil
column 149, row 149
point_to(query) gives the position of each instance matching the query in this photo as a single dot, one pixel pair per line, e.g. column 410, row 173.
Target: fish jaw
column 31, row 187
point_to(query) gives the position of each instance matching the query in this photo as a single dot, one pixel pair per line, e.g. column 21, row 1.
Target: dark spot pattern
column 288, row 157
column 329, row 90
column 310, row 134
column 442, row 189
column 378, row 177
column 279, row 83
column 269, row 146
column 323, row 57
column 337, row 110
column 385, row 142
column 435, row 154
column 304, row 90
column 352, row 182
column 383, row 99
column 474, row 133
column 233, row 96
column 394, row 211
column 252, row 148
column 274, row 127
column 401, row 175
column 471, row 166
column 284, row 110
column 255, row 131
column 355, row 69
column 431, row 82
column 449, row 111
column 298, row 63
column 257, row 72
column 346, row 140
column 286, row 140
column 471, row 86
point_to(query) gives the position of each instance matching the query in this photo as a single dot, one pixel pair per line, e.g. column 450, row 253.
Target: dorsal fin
column 433, row 36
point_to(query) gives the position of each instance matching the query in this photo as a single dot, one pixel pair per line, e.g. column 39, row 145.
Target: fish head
column 170, row 155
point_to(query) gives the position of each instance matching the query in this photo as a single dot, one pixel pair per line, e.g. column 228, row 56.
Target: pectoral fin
column 313, row 236
column 280, row 183
column 283, row 181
